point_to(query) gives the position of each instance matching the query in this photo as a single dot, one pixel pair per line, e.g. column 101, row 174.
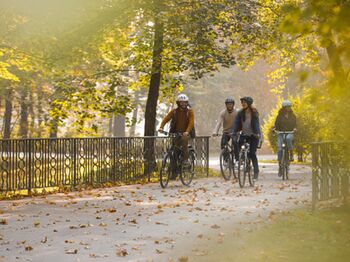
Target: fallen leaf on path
column 44, row 240
column 72, row 251
column 122, row 252
column 215, row 226
column 161, row 223
column 69, row 241
column 201, row 253
column 28, row 248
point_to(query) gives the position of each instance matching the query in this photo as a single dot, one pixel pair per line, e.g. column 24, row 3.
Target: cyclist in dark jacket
column 286, row 121
column 247, row 121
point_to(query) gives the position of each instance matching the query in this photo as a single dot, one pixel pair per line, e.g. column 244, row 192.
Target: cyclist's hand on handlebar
column 160, row 130
column 295, row 129
column 234, row 137
column 256, row 135
column 215, row 134
column 186, row 134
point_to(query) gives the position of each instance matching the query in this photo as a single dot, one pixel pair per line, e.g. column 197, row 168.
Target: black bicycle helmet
column 247, row 99
column 229, row 100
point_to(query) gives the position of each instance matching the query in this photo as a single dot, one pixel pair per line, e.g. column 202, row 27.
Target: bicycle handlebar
column 283, row 132
column 227, row 134
column 171, row 134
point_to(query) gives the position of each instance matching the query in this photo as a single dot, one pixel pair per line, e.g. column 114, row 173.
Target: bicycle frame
column 175, row 165
column 244, row 167
column 227, row 159
column 285, row 154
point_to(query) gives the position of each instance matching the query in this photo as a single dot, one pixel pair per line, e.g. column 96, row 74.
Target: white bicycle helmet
column 182, row 98
column 286, row 103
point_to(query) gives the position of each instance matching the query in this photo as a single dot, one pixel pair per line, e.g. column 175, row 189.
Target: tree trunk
column 135, row 113
column 23, row 124
column 32, row 114
column 53, row 128
column 153, row 93
column 40, row 110
column 110, row 126
column 335, row 62
column 119, row 125
column 8, row 113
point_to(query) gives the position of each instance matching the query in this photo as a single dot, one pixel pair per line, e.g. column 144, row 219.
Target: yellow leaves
column 122, row 252
column 6, row 74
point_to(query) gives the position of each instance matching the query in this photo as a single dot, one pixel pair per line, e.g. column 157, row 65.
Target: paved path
column 144, row 222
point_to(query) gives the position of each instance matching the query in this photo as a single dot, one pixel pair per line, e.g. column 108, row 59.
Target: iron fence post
column 314, row 174
column 74, row 162
column 207, row 155
column 29, row 150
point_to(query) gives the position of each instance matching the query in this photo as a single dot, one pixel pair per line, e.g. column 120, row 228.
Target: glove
column 256, row 136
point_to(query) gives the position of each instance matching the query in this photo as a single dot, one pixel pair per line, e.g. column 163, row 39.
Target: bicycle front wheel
column 225, row 164
column 241, row 169
column 165, row 171
column 187, row 172
column 249, row 171
column 285, row 165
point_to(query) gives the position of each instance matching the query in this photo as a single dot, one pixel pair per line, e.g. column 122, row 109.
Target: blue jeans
column 289, row 138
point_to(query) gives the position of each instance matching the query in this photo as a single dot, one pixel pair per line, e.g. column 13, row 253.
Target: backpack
column 173, row 123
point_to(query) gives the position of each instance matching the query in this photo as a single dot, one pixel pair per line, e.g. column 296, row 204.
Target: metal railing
column 27, row 164
column 330, row 171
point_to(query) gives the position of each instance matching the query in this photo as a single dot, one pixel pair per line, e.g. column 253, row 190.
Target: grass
column 295, row 236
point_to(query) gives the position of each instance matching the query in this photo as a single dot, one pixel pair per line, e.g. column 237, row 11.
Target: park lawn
column 298, row 235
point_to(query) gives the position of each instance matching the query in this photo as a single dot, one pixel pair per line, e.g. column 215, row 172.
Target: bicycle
column 285, row 161
column 172, row 164
column 227, row 160
column 245, row 164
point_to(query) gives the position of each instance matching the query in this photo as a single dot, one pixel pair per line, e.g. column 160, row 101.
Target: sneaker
column 173, row 176
column 255, row 178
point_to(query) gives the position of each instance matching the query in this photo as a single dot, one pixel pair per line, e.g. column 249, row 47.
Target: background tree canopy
column 92, row 68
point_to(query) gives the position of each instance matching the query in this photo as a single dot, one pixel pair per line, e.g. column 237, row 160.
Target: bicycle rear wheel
column 187, row 172
column 165, row 171
column 285, row 165
column 241, row 169
column 225, row 164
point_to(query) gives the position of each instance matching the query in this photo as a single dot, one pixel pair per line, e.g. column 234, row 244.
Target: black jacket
column 285, row 124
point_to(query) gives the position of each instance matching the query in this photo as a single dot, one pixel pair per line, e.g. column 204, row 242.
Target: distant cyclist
column 226, row 120
column 286, row 121
column 182, row 121
column 247, row 122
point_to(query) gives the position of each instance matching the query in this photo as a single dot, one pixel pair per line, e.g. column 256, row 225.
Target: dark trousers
column 254, row 142
column 225, row 139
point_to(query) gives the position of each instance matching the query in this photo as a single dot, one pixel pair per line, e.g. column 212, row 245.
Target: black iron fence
column 27, row 164
column 330, row 171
